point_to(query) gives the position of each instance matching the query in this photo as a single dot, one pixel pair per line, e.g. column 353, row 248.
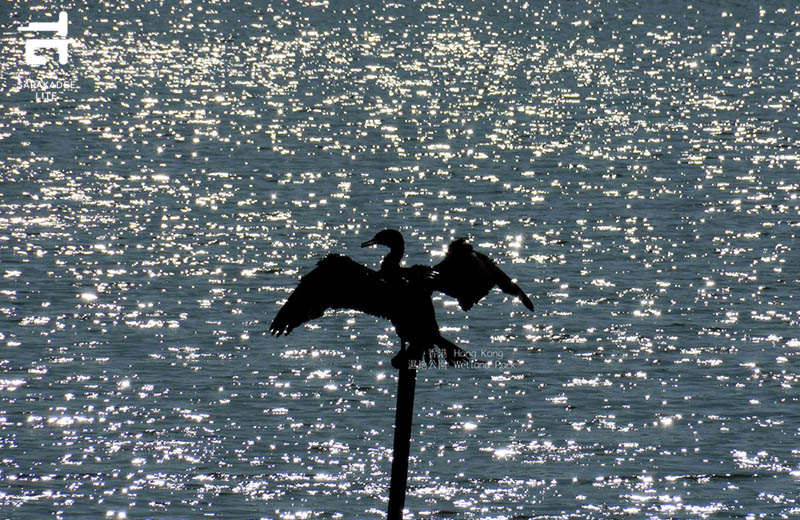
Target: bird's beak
column 369, row 243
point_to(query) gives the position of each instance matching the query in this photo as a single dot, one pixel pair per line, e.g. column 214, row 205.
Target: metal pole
column 406, row 382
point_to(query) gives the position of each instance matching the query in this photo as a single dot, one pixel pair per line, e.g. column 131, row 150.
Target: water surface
column 633, row 165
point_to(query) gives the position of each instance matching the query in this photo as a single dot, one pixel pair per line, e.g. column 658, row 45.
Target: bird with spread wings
column 400, row 294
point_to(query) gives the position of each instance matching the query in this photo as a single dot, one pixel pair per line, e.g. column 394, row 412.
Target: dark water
column 633, row 165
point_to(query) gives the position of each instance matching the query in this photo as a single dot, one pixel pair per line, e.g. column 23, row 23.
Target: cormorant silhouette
column 399, row 294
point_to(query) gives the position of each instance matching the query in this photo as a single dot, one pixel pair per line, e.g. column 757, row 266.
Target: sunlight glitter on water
column 633, row 167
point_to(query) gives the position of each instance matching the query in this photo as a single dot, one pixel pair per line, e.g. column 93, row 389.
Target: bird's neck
column 391, row 262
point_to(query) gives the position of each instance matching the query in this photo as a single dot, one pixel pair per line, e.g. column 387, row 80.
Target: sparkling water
column 633, row 165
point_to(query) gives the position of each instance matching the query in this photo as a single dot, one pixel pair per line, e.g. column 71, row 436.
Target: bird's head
column 390, row 238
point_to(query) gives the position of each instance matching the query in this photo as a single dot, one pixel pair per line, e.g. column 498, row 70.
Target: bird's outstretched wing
column 468, row 276
column 337, row 282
